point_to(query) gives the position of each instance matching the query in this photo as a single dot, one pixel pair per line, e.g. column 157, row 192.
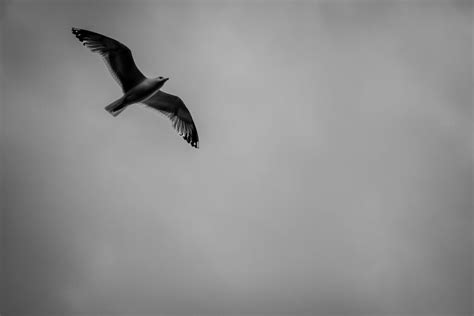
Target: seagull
column 136, row 87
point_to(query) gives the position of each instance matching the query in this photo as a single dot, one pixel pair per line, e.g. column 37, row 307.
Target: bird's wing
column 117, row 56
column 173, row 107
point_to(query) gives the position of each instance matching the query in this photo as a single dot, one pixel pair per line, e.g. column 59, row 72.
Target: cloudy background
column 334, row 174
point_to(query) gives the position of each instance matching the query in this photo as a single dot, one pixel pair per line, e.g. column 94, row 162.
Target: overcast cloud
column 334, row 174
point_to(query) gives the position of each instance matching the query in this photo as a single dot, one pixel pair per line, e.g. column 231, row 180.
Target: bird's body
column 139, row 93
column 136, row 87
column 144, row 90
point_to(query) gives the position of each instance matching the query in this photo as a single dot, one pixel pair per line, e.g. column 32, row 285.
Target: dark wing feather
column 173, row 107
column 117, row 56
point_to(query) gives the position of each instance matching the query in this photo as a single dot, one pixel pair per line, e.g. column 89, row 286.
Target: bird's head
column 162, row 79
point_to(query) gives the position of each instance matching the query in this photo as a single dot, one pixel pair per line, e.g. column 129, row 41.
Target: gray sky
column 334, row 174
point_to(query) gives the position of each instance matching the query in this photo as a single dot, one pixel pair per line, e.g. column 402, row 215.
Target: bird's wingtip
column 194, row 144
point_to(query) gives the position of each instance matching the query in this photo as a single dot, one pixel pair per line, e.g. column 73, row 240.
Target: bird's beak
column 166, row 79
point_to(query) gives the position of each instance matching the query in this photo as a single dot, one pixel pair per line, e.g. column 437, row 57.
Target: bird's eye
column 160, row 77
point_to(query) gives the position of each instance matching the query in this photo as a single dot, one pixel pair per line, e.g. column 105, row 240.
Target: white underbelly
column 140, row 93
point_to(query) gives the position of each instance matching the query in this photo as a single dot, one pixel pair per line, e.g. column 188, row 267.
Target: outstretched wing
column 117, row 56
column 173, row 107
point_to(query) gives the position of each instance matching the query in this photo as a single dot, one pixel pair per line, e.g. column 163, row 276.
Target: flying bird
column 136, row 87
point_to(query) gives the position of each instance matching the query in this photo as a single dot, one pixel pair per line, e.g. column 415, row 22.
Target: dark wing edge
column 186, row 129
column 175, row 109
column 117, row 57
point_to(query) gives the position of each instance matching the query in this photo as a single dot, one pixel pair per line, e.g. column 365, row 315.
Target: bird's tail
column 116, row 107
